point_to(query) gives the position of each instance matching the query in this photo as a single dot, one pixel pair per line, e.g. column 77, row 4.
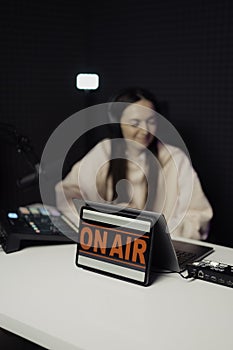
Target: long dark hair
column 118, row 165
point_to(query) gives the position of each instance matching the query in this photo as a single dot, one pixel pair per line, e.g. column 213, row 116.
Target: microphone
column 29, row 180
column 23, row 146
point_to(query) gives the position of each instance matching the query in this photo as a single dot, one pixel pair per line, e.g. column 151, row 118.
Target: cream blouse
column 179, row 195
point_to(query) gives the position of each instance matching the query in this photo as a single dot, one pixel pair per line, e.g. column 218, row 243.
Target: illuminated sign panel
column 87, row 81
column 115, row 244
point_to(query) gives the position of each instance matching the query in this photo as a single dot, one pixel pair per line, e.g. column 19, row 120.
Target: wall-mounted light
column 87, row 81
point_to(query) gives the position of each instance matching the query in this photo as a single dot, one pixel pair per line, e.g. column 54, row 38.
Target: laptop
column 164, row 254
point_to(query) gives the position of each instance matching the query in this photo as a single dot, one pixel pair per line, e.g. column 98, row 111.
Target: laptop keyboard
column 189, row 252
column 185, row 257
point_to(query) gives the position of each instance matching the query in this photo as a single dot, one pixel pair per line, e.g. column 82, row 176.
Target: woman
column 137, row 169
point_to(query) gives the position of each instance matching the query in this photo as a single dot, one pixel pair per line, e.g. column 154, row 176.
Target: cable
column 185, row 277
column 178, row 272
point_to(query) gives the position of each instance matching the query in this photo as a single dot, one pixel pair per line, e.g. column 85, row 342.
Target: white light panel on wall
column 87, row 81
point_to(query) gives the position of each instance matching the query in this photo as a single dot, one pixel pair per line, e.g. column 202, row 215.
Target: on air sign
column 114, row 244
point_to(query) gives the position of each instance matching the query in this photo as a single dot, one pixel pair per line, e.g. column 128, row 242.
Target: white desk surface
column 45, row 298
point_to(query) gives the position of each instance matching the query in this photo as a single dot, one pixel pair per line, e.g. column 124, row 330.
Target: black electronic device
column 188, row 252
column 34, row 225
column 212, row 271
